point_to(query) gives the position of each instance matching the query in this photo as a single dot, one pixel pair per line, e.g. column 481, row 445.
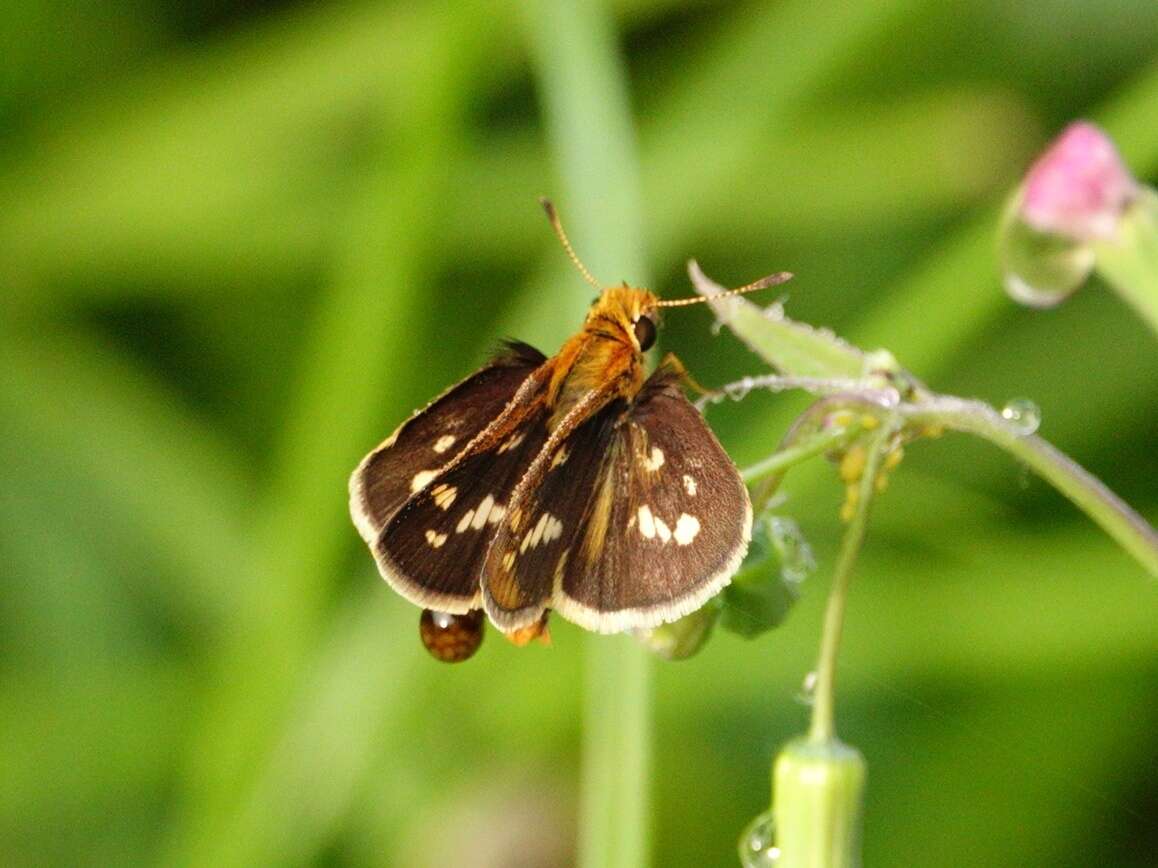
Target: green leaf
column 790, row 347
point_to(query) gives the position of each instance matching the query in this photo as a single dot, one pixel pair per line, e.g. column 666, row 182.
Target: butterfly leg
column 672, row 363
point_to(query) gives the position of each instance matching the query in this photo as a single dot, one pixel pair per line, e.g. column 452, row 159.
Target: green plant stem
column 584, row 92
column 1085, row 490
column 1129, row 263
column 781, row 460
column 613, row 803
column 823, row 727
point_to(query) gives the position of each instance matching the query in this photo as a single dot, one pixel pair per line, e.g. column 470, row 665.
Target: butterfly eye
column 451, row 638
column 645, row 332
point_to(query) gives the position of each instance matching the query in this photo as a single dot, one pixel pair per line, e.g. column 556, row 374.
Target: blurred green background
column 239, row 242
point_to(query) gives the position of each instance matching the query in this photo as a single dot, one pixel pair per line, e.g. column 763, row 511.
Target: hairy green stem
column 1085, row 490
column 781, row 460
column 823, row 727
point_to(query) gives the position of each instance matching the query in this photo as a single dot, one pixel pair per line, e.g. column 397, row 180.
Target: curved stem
column 781, row 460
column 1086, row 491
column 823, row 727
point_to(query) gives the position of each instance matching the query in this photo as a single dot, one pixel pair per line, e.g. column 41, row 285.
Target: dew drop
column 807, row 692
column 797, row 562
column 1023, row 415
column 758, row 843
column 1040, row 270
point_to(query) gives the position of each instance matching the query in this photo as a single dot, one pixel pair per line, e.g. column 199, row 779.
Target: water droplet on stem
column 758, row 843
column 807, row 692
column 797, row 562
column 1023, row 415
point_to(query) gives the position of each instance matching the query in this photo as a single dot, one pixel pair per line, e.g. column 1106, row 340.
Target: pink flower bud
column 1079, row 188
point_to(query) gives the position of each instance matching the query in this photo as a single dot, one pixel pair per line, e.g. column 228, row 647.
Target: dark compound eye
column 451, row 638
column 645, row 332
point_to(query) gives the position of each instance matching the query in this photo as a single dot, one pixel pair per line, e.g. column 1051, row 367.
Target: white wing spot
column 548, row 528
column 686, row 529
column 444, row 495
column 652, row 526
column 497, row 513
column 464, row 522
column 422, row 479
column 444, row 442
column 655, row 461
column 482, row 512
column 646, row 522
column 689, row 485
column 662, row 530
column 554, row 529
column 540, row 529
column 435, row 538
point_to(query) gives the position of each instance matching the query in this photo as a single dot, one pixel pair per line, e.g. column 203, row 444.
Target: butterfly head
column 632, row 312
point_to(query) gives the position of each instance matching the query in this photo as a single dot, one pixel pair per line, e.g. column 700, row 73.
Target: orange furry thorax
column 605, row 349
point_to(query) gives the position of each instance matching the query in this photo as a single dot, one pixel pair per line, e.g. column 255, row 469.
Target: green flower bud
column 817, row 798
column 683, row 638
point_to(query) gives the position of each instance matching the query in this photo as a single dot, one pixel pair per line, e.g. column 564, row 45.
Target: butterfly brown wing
column 432, row 548
column 546, row 518
column 641, row 520
column 433, row 436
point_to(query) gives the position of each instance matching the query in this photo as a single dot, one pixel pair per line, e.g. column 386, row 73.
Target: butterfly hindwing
column 641, row 519
column 433, row 436
column 678, row 520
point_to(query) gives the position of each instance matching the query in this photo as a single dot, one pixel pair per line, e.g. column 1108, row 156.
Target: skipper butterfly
column 573, row 483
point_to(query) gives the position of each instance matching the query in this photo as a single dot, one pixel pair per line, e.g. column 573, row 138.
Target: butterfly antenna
column 763, row 283
column 557, row 225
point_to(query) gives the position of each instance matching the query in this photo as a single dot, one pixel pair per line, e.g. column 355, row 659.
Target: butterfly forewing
column 432, row 548
column 433, row 436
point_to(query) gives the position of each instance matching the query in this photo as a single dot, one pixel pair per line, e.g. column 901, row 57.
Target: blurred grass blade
column 584, row 91
column 363, row 331
column 132, row 448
